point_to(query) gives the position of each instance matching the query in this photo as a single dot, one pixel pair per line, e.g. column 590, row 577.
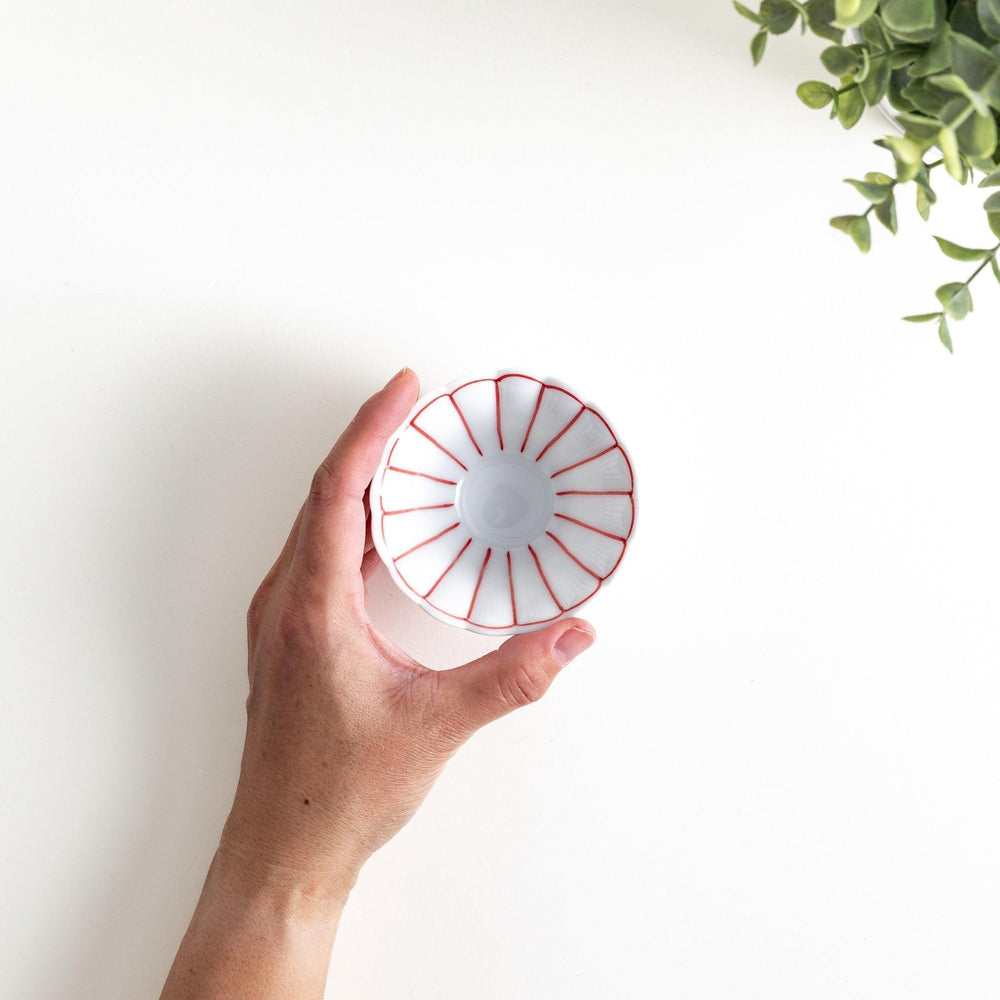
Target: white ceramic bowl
column 502, row 503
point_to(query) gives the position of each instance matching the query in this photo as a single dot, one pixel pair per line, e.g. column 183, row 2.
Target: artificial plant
column 937, row 63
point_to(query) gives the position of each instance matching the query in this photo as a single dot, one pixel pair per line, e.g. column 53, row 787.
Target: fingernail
column 572, row 643
column 396, row 377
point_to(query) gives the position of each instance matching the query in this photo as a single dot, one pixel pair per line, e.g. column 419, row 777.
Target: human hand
column 346, row 732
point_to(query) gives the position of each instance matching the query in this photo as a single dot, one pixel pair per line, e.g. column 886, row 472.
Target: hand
column 345, row 736
column 346, row 732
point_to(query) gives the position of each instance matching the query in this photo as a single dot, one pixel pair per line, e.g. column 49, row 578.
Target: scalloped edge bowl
column 503, row 503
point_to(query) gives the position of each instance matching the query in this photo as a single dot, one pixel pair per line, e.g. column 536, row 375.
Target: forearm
column 256, row 933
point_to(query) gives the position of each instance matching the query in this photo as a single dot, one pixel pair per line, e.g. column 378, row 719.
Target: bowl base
column 505, row 500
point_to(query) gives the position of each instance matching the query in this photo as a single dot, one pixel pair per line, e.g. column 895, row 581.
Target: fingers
column 284, row 559
column 331, row 541
column 516, row 674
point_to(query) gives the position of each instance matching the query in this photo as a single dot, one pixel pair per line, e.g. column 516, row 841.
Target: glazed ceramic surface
column 503, row 503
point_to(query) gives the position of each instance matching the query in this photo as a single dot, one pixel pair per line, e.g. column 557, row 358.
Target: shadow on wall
column 220, row 455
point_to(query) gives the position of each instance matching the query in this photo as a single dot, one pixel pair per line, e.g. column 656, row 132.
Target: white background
column 222, row 225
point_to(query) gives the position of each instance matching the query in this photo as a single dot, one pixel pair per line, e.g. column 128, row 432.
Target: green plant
column 937, row 62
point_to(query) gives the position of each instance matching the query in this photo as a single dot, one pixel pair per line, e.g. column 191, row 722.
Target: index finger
column 331, row 542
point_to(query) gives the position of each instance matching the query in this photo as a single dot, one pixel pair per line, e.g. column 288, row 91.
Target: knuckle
column 523, row 685
column 323, row 483
column 255, row 611
column 328, row 485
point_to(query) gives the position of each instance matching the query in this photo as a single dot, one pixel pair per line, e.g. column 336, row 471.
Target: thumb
column 516, row 674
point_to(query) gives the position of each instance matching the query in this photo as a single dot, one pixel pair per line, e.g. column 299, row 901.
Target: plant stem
column 962, row 118
column 928, row 167
column 871, row 59
column 972, row 276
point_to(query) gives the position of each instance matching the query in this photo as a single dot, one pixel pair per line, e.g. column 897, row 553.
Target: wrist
column 258, row 854
column 253, row 924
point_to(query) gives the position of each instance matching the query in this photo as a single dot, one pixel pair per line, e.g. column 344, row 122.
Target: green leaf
column 956, row 85
column 757, row 45
column 989, row 16
column 948, row 144
column 905, row 55
column 857, row 227
column 876, row 83
column 913, row 20
column 922, row 317
column 943, row 335
column 840, row 60
column 822, row 14
column 895, row 94
column 984, row 164
column 920, row 128
column 907, row 154
column 875, row 193
column 974, row 63
column 965, row 21
column 850, row 107
column 976, row 136
column 925, row 97
column 955, row 252
column 780, row 15
column 936, row 58
column 995, row 266
column 923, row 179
column 923, row 204
column 875, row 177
column 874, row 34
column 885, row 212
column 956, row 299
column 992, row 208
column 851, row 13
column 815, row 93
column 991, row 180
column 747, row 13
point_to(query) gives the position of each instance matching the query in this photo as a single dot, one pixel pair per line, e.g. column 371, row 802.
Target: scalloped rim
column 375, row 498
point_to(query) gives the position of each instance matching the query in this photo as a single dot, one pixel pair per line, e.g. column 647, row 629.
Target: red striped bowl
column 503, row 503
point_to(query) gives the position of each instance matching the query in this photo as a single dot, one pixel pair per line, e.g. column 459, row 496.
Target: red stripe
column 479, row 581
column 422, row 475
column 410, row 510
column 499, row 432
column 465, row 424
column 534, row 555
column 510, row 577
column 426, row 541
column 583, row 524
column 576, row 465
column 559, row 542
column 538, row 403
column 449, row 569
column 594, row 493
column 560, row 434
column 499, row 628
column 420, row 430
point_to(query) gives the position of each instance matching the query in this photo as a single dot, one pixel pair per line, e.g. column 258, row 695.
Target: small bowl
column 502, row 503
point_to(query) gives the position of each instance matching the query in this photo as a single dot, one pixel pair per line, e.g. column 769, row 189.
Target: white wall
column 224, row 224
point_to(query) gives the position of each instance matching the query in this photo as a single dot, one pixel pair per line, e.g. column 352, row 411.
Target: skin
column 346, row 734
